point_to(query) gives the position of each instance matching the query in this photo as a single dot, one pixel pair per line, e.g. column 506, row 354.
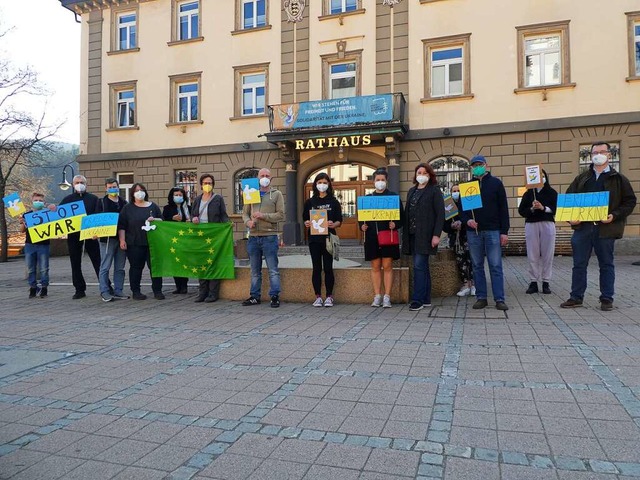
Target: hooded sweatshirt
column 272, row 206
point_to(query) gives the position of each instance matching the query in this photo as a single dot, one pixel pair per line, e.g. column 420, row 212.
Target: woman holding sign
column 538, row 207
column 177, row 210
column 424, row 218
column 382, row 254
column 322, row 214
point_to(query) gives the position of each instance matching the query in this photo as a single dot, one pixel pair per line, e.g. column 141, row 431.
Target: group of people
column 473, row 235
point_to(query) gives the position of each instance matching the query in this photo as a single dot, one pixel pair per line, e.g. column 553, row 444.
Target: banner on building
column 14, row 205
column 582, row 207
column 470, row 195
column 201, row 251
column 338, row 111
column 99, row 225
column 373, row 208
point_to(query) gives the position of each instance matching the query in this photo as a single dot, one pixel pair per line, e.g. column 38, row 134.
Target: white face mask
column 322, row 187
column 139, row 195
column 265, row 182
column 80, row 187
column 422, row 179
column 380, row 185
column 599, row 159
column 456, row 196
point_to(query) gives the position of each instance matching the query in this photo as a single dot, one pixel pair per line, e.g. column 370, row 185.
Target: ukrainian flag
column 582, row 207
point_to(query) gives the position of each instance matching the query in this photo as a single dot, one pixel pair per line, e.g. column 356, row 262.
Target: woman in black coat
column 177, row 210
column 424, row 218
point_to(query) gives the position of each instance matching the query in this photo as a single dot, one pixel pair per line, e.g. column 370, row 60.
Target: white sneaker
column 377, row 301
column 386, row 301
column 463, row 292
column 318, row 302
column 473, row 291
column 328, row 302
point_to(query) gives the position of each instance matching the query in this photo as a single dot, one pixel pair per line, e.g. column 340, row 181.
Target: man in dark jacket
column 487, row 233
column 599, row 236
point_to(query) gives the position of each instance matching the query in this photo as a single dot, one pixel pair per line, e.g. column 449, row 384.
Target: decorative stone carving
column 391, row 3
column 294, row 10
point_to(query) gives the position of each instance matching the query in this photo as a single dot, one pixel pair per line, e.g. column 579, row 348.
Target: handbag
column 388, row 238
column 333, row 246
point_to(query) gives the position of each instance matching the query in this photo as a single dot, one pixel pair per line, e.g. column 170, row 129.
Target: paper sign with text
column 65, row 211
column 56, row 229
column 250, row 191
column 318, row 219
column 470, row 195
column 14, row 205
column 450, row 207
column 533, row 176
column 373, row 208
column 583, row 207
column 99, row 225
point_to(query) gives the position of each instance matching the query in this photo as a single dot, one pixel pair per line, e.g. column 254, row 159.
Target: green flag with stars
column 180, row 249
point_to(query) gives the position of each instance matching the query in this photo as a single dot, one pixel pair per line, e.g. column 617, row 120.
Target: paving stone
column 601, row 466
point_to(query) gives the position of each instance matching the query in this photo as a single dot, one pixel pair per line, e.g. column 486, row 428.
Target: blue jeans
column 421, row 279
column 481, row 244
column 256, row 248
column 583, row 242
column 37, row 258
column 112, row 254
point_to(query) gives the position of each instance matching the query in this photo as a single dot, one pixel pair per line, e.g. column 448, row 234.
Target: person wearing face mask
column 540, row 232
column 75, row 245
column 208, row 208
column 177, row 210
column 36, row 255
column 423, row 222
column 110, row 251
column 599, row 236
column 133, row 239
column 487, row 233
column 262, row 221
column 322, row 199
column 381, row 258
column 458, row 243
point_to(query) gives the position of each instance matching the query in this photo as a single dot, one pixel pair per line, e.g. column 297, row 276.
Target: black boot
column 43, row 292
column 533, row 288
column 32, row 292
column 545, row 288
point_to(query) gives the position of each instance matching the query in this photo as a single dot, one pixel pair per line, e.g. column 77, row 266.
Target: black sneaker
column 533, row 288
column 200, row 299
column 275, row 301
column 44, row 292
column 32, row 292
column 480, row 304
column 501, row 306
column 121, row 296
column 158, row 296
column 138, row 296
column 571, row 303
column 251, row 301
column 106, row 297
column 606, row 305
column 545, row 288
column 211, row 299
column 78, row 295
column 415, row 306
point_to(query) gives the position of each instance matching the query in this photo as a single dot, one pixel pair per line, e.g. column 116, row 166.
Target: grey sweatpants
column 541, row 243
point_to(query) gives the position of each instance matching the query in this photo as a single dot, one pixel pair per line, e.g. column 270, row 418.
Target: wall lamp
column 64, row 184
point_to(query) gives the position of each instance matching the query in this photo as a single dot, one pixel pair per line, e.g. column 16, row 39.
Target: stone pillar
column 291, row 232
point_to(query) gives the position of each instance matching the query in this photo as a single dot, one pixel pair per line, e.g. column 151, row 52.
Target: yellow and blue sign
column 582, row 207
column 470, row 195
column 99, row 225
column 250, row 190
column 373, row 208
column 14, row 204
column 47, row 224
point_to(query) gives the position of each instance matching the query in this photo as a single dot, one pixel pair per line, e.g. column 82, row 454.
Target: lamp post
column 64, row 184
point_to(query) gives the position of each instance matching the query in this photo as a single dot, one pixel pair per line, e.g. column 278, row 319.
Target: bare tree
column 24, row 136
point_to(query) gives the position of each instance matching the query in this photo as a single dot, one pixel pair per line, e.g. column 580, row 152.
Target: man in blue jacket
column 487, row 233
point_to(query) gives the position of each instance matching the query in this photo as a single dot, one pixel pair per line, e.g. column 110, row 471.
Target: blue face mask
column 113, row 191
column 456, row 196
column 479, row 170
column 178, row 200
column 38, row 205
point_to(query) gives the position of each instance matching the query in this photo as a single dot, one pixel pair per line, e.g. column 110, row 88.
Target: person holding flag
column 487, row 233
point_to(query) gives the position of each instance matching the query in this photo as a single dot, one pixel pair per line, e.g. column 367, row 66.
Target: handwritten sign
column 470, row 195
column 450, row 207
column 65, row 211
column 318, row 219
column 378, row 207
column 99, row 225
column 14, row 205
column 250, row 190
column 55, row 229
column 533, row 176
column 583, row 207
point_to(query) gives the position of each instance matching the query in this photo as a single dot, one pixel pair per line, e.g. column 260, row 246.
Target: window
column 187, row 102
column 251, row 90
column 254, row 13
column 451, row 170
column 633, row 19
column 447, row 67
column 186, row 21
column 123, row 105
column 341, row 74
column 343, row 80
column 127, row 38
column 342, row 6
column 237, row 187
column 125, row 181
column 585, row 156
column 543, row 56
column 187, row 179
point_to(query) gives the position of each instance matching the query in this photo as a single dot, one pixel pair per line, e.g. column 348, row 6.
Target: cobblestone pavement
column 179, row 390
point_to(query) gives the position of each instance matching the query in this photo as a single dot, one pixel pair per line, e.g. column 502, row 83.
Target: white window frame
column 447, row 64
column 129, row 104
column 127, row 27
column 189, row 96
column 188, row 14
column 254, row 95
column 349, row 74
column 343, row 7
column 541, row 54
column 125, row 188
column 254, row 23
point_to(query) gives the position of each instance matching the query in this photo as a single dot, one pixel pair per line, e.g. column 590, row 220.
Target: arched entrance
column 350, row 181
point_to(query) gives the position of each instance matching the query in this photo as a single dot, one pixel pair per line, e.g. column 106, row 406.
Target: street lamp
column 64, row 184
